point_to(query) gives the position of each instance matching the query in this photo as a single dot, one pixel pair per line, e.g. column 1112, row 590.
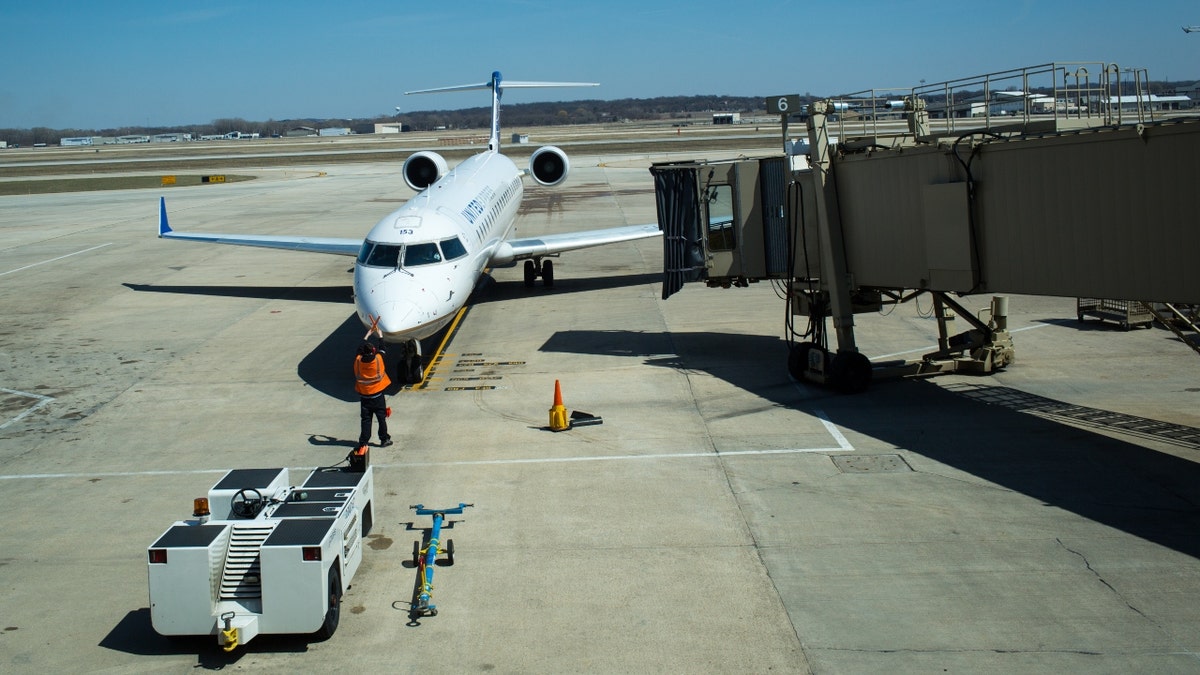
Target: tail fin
column 498, row 85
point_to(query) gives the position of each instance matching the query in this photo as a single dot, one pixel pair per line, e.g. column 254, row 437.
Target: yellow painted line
column 441, row 348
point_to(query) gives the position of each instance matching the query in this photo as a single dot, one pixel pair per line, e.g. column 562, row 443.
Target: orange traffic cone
column 558, row 413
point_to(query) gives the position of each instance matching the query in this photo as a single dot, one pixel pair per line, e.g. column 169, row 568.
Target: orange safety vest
column 371, row 377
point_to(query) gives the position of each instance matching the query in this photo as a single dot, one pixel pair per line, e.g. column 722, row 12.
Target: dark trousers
column 373, row 406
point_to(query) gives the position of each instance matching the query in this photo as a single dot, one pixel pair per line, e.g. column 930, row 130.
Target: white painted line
column 42, row 400
column 925, row 349
column 55, row 259
column 842, row 446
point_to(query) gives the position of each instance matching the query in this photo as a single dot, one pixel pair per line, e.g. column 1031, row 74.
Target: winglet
column 163, row 227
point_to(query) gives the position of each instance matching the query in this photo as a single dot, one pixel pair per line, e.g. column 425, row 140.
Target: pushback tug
column 262, row 555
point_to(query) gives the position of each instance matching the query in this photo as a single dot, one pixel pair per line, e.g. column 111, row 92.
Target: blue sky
column 107, row 64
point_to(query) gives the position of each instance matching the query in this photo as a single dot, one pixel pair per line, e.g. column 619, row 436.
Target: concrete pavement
column 722, row 518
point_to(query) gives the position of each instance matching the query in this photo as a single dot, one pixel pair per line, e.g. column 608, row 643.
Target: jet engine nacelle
column 424, row 168
column 549, row 166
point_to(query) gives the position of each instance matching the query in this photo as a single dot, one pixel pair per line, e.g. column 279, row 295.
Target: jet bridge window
column 379, row 255
column 453, row 248
column 719, row 204
column 421, row 254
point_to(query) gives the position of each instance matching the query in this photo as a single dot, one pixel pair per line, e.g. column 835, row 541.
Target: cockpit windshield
column 379, row 255
column 421, row 254
column 374, row 254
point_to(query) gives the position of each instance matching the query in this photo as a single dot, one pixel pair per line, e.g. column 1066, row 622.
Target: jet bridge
column 1035, row 181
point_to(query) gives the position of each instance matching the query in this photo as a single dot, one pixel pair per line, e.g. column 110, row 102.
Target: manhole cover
column 871, row 463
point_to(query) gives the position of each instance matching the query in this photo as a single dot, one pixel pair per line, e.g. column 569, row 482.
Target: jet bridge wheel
column 798, row 360
column 850, row 372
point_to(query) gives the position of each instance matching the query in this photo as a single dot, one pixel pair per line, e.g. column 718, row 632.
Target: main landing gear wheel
column 544, row 269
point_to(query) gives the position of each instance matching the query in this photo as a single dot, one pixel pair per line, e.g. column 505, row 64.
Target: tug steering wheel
column 246, row 503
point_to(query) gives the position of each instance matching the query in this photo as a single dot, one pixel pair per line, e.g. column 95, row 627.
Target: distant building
column 299, row 132
column 334, row 131
column 76, row 141
column 727, row 118
column 391, row 128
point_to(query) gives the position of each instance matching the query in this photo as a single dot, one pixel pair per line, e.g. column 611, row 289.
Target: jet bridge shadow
column 1058, row 453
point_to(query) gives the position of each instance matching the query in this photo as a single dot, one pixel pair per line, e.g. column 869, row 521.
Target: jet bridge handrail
column 1091, row 91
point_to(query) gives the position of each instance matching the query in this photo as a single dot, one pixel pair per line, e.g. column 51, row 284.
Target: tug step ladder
column 241, row 577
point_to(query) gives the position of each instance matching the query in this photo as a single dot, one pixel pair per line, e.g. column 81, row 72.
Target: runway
column 722, row 517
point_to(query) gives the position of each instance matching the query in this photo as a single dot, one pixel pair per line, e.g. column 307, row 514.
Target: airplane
column 1191, row 29
column 416, row 268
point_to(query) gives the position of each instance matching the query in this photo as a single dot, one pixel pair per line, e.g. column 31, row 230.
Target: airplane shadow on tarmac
column 1001, row 435
column 493, row 290
column 307, row 294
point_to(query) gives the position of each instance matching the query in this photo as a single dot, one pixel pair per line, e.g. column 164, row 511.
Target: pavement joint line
column 42, row 400
column 55, row 259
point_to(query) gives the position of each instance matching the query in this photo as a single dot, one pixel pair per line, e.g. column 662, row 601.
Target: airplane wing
column 549, row 244
column 334, row 245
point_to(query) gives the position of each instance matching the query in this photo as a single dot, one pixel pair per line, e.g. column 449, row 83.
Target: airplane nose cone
column 397, row 316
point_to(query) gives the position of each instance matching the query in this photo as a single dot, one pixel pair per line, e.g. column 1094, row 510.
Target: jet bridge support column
column 847, row 370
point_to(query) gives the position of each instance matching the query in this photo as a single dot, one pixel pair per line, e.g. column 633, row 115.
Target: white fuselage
column 420, row 263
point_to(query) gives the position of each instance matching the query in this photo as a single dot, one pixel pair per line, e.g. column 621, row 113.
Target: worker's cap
column 367, row 349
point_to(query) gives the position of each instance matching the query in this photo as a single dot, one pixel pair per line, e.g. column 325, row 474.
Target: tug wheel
column 334, row 613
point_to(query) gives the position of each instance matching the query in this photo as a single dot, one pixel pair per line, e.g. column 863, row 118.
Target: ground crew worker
column 370, row 380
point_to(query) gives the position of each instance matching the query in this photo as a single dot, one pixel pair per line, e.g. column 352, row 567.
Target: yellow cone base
column 558, row 419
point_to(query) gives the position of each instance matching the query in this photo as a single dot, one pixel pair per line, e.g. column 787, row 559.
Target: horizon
column 155, row 65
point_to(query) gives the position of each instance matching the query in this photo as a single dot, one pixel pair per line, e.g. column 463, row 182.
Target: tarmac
column 722, row 517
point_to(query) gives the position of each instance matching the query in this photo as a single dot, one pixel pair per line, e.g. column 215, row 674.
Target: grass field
column 47, row 186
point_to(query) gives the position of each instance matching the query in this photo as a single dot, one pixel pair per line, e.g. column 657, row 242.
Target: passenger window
column 719, row 204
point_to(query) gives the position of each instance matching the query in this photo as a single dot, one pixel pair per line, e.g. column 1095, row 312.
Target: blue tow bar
column 427, row 558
